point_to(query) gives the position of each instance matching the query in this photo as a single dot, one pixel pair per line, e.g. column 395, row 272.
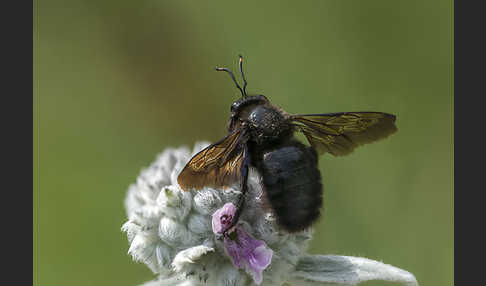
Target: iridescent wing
column 217, row 166
column 340, row 133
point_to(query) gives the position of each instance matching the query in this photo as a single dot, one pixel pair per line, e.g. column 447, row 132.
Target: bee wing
column 340, row 133
column 218, row 165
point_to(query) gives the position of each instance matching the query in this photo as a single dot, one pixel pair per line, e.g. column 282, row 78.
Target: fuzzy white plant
column 171, row 232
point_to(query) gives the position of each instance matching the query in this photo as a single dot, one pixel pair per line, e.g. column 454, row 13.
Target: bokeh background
column 116, row 82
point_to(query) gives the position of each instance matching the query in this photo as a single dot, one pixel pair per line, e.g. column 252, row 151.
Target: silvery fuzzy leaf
column 207, row 201
column 210, row 269
column 174, row 202
column 168, row 159
column 163, row 254
column 142, row 249
column 131, row 229
column 284, row 260
column 175, row 234
column 133, row 200
column 148, row 214
column 174, row 281
column 171, row 161
column 346, row 270
column 230, row 276
column 189, row 256
column 230, row 194
column 151, row 180
column 266, row 230
column 179, row 165
column 290, row 251
column 199, row 225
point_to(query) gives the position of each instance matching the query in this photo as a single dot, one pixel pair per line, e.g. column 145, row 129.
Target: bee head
column 242, row 107
column 242, row 102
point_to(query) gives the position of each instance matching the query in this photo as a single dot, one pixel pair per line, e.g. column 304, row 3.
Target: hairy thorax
column 267, row 124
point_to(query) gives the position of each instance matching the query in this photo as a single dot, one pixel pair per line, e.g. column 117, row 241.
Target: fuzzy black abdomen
column 292, row 184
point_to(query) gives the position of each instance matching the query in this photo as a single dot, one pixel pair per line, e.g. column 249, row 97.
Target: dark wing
column 217, row 166
column 340, row 133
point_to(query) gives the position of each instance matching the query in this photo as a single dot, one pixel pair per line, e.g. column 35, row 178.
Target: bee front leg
column 243, row 187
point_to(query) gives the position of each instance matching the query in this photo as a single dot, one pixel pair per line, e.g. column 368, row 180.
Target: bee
column 261, row 135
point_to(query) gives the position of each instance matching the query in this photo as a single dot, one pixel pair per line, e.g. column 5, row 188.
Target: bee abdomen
column 293, row 184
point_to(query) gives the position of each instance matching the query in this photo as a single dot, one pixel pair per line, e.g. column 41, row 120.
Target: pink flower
column 223, row 217
column 245, row 252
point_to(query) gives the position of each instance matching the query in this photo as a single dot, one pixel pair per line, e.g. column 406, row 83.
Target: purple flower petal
column 233, row 250
column 261, row 257
column 256, row 275
column 257, row 261
column 222, row 218
column 245, row 252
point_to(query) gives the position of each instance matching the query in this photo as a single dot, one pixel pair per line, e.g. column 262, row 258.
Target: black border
column 469, row 145
column 17, row 138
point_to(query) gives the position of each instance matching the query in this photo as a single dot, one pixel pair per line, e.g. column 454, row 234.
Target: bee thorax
column 266, row 124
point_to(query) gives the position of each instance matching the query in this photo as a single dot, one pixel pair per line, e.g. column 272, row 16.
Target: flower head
column 175, row 234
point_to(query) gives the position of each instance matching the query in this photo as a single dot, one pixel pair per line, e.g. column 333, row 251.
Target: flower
column 174, row 234
column 223, row 217
column 246, row 252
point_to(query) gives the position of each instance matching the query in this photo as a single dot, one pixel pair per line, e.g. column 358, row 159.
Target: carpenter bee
column 260, row 135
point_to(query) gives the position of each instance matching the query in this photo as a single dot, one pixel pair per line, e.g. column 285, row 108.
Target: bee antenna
column 233, row 77
column 243, row 75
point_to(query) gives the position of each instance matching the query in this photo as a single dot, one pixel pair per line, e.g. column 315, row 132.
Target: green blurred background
column 116, row 82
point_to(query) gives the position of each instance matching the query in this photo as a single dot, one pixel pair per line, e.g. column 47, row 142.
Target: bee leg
column 244, row 187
